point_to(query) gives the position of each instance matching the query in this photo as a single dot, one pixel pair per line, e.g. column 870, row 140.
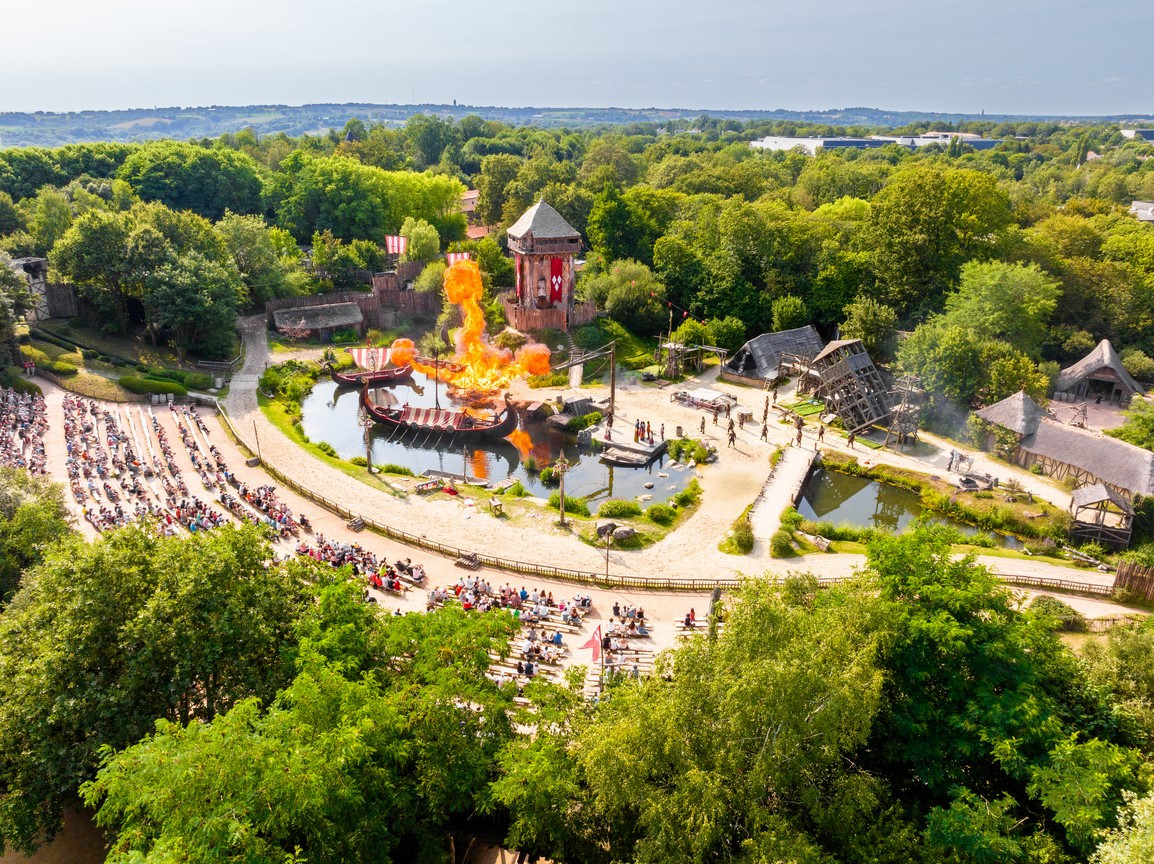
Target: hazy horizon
column 1032, row 57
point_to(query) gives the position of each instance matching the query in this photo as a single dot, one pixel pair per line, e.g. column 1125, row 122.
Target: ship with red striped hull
column 380, row 377
column 457, row 425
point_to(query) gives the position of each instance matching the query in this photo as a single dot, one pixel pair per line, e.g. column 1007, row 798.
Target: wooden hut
column 759, row 359
column 1065, row 451
column 1100, row 376
column 320, row 322
column 1101, row 515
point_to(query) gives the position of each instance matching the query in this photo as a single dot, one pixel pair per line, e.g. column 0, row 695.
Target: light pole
column 561, row 466
column 366, row 422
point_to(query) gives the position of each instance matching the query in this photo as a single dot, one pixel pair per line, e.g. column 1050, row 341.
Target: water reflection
column 330, row 414
column 831, row 496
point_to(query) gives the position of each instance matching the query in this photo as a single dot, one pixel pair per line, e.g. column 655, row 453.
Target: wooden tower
column 543, row 246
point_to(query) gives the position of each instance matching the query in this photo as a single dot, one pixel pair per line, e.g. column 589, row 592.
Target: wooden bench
column 470, row 561
column 357, row 523
column 496, row 506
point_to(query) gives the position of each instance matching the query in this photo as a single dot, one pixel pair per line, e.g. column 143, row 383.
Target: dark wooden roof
column 319, row 317
column 544, row 223
column 1115, row 462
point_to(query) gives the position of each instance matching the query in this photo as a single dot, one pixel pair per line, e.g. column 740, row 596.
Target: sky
column 1001, row 56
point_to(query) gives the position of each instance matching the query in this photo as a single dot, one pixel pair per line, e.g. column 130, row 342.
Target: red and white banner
column 396, row 244
column 517, row 273
column 453, row 257
column 594, row 643
column 556, row 279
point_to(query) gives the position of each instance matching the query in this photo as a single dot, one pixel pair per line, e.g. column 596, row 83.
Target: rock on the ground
column 623, row 533
column 604, row 528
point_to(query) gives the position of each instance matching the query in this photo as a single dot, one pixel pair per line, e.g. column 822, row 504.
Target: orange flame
column 478, row 366
column 521, row 440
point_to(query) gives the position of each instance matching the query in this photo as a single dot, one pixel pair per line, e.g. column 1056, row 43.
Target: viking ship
column 459, row 425
column 371, row 361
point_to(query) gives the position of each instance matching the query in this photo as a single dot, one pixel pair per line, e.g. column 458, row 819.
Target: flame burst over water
column 521, row 440
column 478, row 367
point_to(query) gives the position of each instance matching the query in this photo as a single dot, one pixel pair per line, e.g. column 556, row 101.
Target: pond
column 830, row 496
column 330, row 414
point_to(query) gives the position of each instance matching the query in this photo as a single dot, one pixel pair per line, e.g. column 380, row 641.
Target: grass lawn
column 633, row 352
column 136, row 348
column 97, row 387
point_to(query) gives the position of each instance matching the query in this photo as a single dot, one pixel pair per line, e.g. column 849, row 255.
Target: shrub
column 619, row 507
column 530, row 464
column 781, row 544
column 517, row 490
column 140, row 367
column 326, row 448
column 392, row 468
column 553, row 379
column 1065, row 616
column 134, row 384
column 576, row 424
column 1036, row 468
column 64, row 369
column 35, row 355
column 690, row 495
column 550, row 476
column 197, row 380
column 743, row 535
column 75, row 358
column 89, row 353
column 345, row 337
column 662, row 514
column 791, row 519
column 510, row 340
column 573, row 506
column 360, row 461
column 15, row 381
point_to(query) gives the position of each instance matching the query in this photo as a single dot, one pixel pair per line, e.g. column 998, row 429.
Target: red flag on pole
column 595, row 643
column 517, row 273
column 556, row 266
column 395, row 244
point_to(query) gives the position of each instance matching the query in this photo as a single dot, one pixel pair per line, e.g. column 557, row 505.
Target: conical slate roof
column 1102, row 357
column 1018, row 413
column 544, row 223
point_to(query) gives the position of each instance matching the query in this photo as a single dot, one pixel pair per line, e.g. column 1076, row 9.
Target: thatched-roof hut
column 1100, row 376
column 320, row 321
column 1066, row 451
column 758, row 359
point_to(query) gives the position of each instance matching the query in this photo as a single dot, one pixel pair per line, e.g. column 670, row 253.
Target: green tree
column 620, row 229
column 259, row 253
column 182, row 176
column 497, row 172
column 33, row 517
column 392, row 715
column 432, row 278
column 11, row 218
column 424, row 244
column 1010, row 302
column 1139, row 426
column 104, row 638
column 1132, row 842
column 875, row 324
column 727, row 332
column 789, row 312
column 630, row 295
column 48, row 216
column 15, row 301
column 926, row 223
column 195, row 299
